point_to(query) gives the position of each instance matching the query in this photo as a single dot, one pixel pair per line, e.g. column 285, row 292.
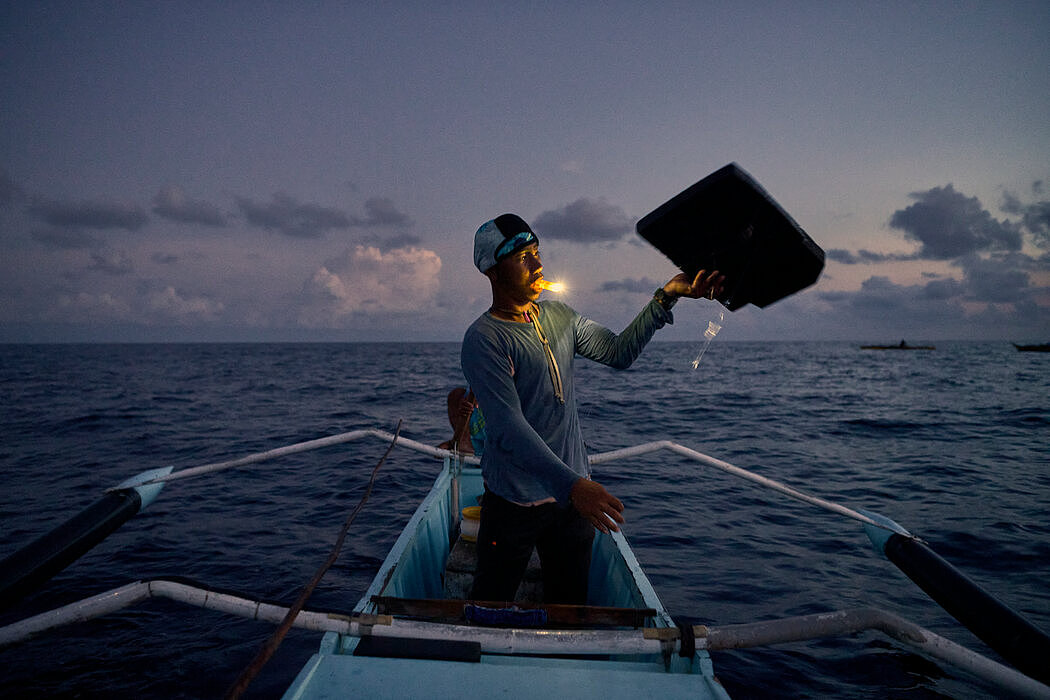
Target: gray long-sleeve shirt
column 533, row 445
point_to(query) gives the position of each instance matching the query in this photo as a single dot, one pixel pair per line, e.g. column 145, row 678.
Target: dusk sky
column 246, row 171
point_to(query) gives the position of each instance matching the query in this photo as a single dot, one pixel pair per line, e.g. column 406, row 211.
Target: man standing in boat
column 518, row 360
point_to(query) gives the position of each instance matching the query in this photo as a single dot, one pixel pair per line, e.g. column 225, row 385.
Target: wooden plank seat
column 569, row 616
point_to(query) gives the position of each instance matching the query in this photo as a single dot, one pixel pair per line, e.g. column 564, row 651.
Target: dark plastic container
column 728, row 222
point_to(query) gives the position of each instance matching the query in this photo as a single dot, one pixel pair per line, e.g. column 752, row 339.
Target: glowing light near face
column 552, row 286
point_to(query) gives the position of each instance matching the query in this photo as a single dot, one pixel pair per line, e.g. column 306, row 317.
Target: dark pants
column 506, row 537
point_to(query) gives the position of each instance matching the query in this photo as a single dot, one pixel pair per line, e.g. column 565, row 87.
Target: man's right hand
column 597, row 505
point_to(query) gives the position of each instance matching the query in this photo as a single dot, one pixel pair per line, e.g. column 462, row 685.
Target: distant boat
column 900, row 346
column 1039, row 347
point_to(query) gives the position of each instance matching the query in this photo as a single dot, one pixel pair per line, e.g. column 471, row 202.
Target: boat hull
column 414, row 571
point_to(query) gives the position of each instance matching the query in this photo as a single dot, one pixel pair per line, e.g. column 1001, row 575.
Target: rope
column 270, row 647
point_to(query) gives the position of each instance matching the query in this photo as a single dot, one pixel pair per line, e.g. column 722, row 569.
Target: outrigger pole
column 1004, row 630
column 1000, row 627
column 32, row 565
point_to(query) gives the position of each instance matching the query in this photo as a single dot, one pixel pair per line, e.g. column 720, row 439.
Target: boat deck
column 329, row 675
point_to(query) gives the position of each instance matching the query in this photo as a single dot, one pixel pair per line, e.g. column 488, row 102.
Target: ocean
column 953, row 444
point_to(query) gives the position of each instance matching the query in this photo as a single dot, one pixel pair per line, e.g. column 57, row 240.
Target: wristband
column 664, row 299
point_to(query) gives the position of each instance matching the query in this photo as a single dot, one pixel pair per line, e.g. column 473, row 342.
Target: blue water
column 953, row 444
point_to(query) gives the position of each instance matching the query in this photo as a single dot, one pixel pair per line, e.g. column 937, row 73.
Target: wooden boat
column 535, row 651
column 412, row 634
column 1038, row 347
column 900, row 346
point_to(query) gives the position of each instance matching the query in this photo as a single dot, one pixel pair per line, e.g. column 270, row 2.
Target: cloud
column 404, row 240
column 164, row 258
column 939, row 308
column 864, row 257
column 171, row 203
column 113, row 262
column 950, row 225
column 997, row 280
column 642, row 285
column 953, row 227
column 370, row 281
column 149, row 305
column 85, row 306
column 987, row 283
column 288, row 216
column 380, row 211
column 1035, row 217
column 168, row 305
column 881, row 298
column 93, row 215
column 584, row 221
column 65, row 239
column 944, row 288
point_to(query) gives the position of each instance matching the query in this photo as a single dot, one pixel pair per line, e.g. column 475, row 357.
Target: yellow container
column 468, row 527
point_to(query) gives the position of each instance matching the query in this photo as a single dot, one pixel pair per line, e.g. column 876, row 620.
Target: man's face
column 518, row 275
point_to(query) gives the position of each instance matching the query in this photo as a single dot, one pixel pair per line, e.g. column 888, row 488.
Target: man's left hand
column 706, row 285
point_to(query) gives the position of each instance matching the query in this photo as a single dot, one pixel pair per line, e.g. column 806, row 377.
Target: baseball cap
column 500, row 237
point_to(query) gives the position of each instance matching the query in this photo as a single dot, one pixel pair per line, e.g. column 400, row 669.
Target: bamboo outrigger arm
column 567, row 642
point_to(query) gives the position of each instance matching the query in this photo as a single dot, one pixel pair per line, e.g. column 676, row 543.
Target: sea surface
column 953, row 444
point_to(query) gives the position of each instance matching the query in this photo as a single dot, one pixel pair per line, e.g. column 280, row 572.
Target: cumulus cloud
column 948, row 225
column 169, row 305
column 584, row 221
column 93, row 215
column 172, row 203
column 368, row 280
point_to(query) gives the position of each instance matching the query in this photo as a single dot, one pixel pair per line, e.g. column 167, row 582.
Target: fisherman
column 468, row 425
column 518, row 360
